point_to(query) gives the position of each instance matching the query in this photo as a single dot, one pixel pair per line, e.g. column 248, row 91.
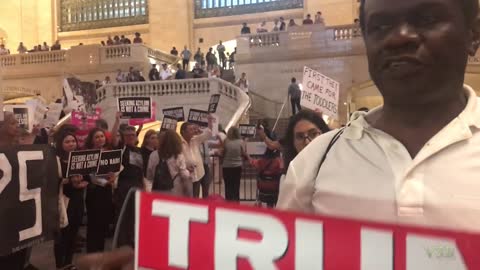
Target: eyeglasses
column 311, row 135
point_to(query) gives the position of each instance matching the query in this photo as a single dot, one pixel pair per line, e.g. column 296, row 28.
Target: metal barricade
column 248, row 183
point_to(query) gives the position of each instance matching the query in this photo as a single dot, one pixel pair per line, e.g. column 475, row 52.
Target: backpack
column 163, row 180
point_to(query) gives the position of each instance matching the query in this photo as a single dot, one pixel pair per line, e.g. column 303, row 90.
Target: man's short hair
column 294, row 80
column 470, row 9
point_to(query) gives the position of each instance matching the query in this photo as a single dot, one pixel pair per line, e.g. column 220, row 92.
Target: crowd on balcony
column 122, row 40
column 280, row 24
column 22, row 49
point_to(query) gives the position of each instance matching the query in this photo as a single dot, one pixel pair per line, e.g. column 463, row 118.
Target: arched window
column 217, row 8
column 94, row 14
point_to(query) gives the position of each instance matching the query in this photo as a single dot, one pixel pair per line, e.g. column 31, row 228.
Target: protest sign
column 85, row 120
column 83, row 162
column 23, row 116
column 109, row 162
column 320, row 92
column 180, row 233
column 198, row 117
column 169, row 122
column 212, row 106
column 53, row 114
column 135, row 107
column 38, row 110
column 176, row 112
column 248, row 130
column 138, row 122
column 28, row 196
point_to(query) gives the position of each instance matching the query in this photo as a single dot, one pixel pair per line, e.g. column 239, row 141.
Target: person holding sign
column 99, row 196
column 130, row 177
column 415, row 159
column 73, row 188
column 191, row 150
column 9, row 137
column 170, row 150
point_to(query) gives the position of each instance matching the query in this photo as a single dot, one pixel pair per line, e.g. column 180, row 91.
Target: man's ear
column 475, row 39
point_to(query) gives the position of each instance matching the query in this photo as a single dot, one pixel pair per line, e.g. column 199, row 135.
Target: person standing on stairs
column 295, row 94
column 243, row 83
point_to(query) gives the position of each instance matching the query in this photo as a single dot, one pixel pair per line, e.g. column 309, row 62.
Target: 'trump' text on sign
column 320, row 92
column 175, row 233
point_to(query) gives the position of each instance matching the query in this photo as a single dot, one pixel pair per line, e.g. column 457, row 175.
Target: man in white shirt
column 165, row 73
column 191, row 150
column 416, row 159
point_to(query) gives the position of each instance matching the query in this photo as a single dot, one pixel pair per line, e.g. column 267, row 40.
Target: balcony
column 76, row 59
column 192, row 93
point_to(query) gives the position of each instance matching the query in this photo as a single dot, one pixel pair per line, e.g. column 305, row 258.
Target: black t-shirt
column 146, row 156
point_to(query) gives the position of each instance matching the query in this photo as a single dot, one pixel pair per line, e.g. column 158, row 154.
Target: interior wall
column 335, row 12
column 29, row 21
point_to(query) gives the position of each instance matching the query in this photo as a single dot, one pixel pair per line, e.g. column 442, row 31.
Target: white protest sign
column 320, row 92
column 23, row 114
column 53, row 114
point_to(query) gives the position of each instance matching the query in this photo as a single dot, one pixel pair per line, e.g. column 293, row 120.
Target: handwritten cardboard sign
column 320, row 92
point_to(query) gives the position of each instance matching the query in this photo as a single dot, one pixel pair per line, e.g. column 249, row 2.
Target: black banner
column 213, row 105
column 248, row 130
column 176, row 112
column 110, row 161
column 135, row 107
column 83, row 162
column 21, row 114
column 198, row 117
column 29, row 187
column 169, row 122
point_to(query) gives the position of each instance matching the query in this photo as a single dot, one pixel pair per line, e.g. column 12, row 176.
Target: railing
column 191, row 92
column 266, row 105
column 43, row 57
column 265, row 39
column 84, row 55
column 120, row 51
column 300, row 37
column 343, row 32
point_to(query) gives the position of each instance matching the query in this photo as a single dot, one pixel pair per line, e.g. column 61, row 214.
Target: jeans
column 204, row 183
column 295, row 104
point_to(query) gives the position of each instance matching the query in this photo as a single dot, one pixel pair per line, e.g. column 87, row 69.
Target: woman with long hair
column 302, row 129
column 73, row 188
column 99, row 197
column 149, row 144
column 233, row 152
column 170, row 150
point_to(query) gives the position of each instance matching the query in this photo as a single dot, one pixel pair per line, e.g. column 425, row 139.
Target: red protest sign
column 176, row 233
column 85, row 120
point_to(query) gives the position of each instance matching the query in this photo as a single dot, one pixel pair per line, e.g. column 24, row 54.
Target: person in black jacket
column 130, row 177
column 73, row 189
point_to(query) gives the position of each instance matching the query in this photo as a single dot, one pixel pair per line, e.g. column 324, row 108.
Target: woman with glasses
column 302, row 129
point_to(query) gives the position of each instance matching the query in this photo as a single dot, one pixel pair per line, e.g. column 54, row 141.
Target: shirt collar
column 470, row 116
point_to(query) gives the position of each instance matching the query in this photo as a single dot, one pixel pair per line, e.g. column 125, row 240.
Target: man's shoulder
column 316, row 149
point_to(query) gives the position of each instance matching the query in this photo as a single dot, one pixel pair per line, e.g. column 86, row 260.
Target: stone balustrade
column 88, row 54
column 191, row 93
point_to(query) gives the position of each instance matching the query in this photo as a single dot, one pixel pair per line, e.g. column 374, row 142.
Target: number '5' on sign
column 25, row 194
